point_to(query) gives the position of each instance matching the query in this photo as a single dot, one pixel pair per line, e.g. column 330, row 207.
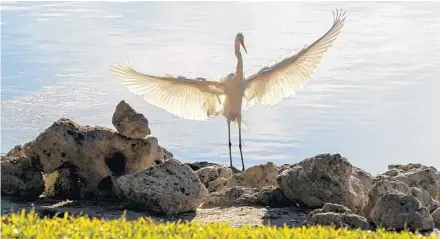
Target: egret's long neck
column 239, row 69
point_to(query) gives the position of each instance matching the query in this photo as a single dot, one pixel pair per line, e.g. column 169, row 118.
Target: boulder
column 244, row 196
column 216, row 173
column 66, row 183
column 169, row 188
column 336, row 215
column 217, row 184
column 425, row 198
column 383, row 187
column 19, row 178
column 166, row 154
column 97, row 154
column 198, row 165
column 17, row 151
column 415, row 175
column 257, row 176
column 130, row 123
column 325, row 178
column 436, row 216
column 397, row 211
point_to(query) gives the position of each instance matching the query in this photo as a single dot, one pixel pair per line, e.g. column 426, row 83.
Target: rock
column 66, row 183
column 169, row 188
column 325, row 178
column 198, row 165
column 415, row 175
column 397, row 211
column 365, row 178
column 19, row 178
column 425, row 198
column 243, row 196
column 337, row 215
column 256, row 176
column 339, row 220
column 214, row 173
column 167, row 154
column 217, row 184
column 98, row 154
column 130, row 123
column 436, row 216
column 17, row 151
column 383, row 187
column 380, row 189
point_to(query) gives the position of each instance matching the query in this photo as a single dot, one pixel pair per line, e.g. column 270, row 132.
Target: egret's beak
column 244, row 47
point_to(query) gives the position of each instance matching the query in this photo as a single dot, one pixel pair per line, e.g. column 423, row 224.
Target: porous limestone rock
column 19, row 178
column 17, row 151
column 214, row 173
column 97, row 154
column 336, row 215
column 415, row 175
column 130, row 123
column 325, row 178
column 198, row 165
column 436, row 216
column 257, row 176
column 66, row 183
column 383, row 187
column 397, row 211
column 169, row 188
column 244, row 196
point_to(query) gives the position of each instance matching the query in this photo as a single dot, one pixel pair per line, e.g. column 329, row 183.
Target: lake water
column 374, row 99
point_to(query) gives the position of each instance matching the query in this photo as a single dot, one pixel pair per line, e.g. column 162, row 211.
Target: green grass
column 29, row 225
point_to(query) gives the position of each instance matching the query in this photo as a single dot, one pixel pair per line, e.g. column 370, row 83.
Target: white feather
column 187, row 98
column 272, row 84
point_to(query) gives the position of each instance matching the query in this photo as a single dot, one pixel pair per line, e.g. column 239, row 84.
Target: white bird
column 199, row 100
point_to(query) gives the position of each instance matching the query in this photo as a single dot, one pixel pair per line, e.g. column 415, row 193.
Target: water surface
column 374, row 99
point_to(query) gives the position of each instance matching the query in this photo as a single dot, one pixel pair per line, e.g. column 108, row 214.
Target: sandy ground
column 234, row 216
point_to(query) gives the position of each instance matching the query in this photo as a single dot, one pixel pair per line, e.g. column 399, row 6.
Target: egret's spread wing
column 187, row 98
column 272, row 84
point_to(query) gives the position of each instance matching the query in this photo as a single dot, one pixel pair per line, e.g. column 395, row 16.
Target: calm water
column 375, row 97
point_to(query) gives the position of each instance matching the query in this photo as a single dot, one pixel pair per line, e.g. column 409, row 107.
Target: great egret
column 198, row 100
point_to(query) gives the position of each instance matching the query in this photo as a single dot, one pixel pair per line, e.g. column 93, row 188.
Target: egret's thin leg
column 239, row 143
column 230, row 144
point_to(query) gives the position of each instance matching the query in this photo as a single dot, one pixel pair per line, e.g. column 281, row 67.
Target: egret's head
column 239, row 39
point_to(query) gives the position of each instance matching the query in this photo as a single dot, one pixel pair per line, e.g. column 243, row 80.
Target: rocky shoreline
column 101, row 172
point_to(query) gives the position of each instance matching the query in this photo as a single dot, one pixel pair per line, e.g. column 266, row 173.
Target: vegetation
column 29, row 225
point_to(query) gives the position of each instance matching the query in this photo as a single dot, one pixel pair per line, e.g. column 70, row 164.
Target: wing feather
column 186, row 98
column 272, row 84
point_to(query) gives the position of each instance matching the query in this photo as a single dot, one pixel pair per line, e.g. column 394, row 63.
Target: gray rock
column 97, row 153
column 169, row 188
column 325, row 178
column 198, row 165
column 436, row 216
column 130, row 123
column 214, row 173
column 167, row 154
column 257, row 176
column 217, row 184
column 415, row 175
column 397, row 211
column 383, row 187
column 17, row 151
column 425, row 198
column 243, row 196
column 20, row 178
column 380, row 189
column 336, row 215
